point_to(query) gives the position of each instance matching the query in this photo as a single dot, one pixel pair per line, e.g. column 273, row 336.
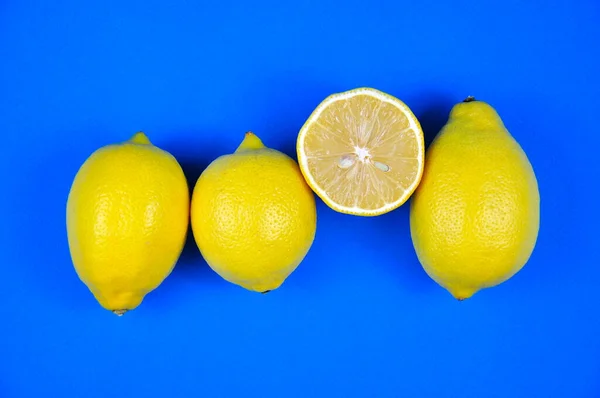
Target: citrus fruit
column 475, row 216
column 127, row 220
column 253, row 216
column 362, row 151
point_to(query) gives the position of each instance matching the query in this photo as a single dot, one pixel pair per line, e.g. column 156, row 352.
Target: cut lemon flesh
column 362, row 152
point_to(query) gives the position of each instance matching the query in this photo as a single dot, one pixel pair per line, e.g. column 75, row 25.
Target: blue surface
column 359, row 317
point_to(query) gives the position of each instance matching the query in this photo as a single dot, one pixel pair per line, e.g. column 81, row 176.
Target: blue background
column 359, row 317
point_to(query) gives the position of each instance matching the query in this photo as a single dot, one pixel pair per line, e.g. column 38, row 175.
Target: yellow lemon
column 475, row 216
column 253, row 216
column 362, row 152
column 127, row 219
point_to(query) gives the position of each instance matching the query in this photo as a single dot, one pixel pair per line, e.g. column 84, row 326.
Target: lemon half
column 362, row 152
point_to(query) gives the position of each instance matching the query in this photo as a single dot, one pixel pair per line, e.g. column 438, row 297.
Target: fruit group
column 362, row 152
column 253, row 216
column 127, row 220
column 475, row 216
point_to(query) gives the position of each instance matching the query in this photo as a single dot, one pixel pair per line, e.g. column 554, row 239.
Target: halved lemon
column 362, row 152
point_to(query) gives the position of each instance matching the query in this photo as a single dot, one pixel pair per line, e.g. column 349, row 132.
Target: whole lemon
column 127, row 220
column 475, row 216
column 253, row 216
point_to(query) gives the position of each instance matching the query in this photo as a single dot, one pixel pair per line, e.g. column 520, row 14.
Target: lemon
column 253, row 216
column 475, row 216
column 127, row 219
column 362, row 152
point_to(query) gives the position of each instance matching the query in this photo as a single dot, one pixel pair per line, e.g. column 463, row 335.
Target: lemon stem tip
column 250, row 142
column 470, row 98
column 119, row 312
column 140, row 138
